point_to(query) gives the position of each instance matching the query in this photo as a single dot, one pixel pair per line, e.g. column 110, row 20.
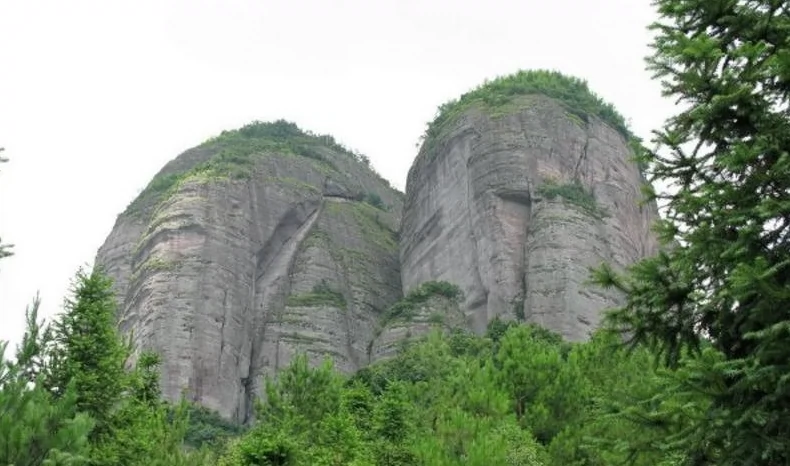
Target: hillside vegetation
column 693, row 370
column 517, row 396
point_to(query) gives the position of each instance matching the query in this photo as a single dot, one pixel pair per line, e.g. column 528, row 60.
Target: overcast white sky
column 95, row 96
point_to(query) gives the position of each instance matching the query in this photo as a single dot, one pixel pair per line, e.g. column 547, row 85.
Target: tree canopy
column 694, row 369
column 716, row 302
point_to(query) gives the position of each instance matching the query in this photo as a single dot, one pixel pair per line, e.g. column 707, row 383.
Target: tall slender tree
column 35, row 428
column 87, row 349
column 717, row 300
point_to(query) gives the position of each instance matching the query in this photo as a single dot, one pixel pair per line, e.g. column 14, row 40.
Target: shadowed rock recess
column 269, row 240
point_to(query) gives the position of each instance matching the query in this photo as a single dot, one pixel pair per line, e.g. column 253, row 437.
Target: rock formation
column 268, row 240
column 255, row 245
column 515, row 194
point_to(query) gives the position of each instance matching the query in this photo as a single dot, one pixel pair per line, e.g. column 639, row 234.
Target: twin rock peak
column 269, row 241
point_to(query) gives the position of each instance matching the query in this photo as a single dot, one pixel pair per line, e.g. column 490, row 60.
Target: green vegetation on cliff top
column 236, row 151
column 571, row 91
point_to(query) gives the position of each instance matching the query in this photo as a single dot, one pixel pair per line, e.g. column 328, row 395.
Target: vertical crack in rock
column 222, row 330
column 274, row 262
column 479, row 298
column 582, row 155
column 514, row 223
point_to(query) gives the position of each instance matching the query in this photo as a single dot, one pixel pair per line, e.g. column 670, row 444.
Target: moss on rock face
column 321, row 295
column 574, row 194
column 235, row 153
column 369, row 220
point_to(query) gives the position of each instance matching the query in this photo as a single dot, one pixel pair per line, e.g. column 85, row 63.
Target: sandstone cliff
column 242, row 251
column 267, row 240
column 519, row 188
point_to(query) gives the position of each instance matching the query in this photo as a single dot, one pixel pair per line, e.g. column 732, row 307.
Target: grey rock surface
column 479, row 213
column 228, row 278
column 437, row 313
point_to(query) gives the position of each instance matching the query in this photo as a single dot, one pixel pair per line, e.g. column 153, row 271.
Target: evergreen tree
column 87, row 350
column 35, row 428
column 716, row 301
column 66, row 400
column 144, row 430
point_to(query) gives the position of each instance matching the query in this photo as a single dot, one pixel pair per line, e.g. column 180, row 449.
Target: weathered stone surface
column 480, row 212
column 438, row 312
column 227, row 277
column 266, row 241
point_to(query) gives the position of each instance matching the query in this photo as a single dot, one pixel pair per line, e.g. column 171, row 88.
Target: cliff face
column 253, row 246
column 267, row 240
column 514, row 200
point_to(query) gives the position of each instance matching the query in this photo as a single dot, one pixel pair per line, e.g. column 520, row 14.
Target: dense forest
column 693, row 370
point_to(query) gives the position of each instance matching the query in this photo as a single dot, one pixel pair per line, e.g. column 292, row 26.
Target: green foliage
column 518, row 396
column 304, row 421
column 144, row 429
column 35, row 427
column 321, row 295
column 86, row 350
column 453, row 399
column 714, row 302
column 368, row 220
column 207, row 428
column 374, row 200
column 575, row 194
column 235, row 152
column 67, row 399
column 404, row 308
column 571, row 91
column 152, row 264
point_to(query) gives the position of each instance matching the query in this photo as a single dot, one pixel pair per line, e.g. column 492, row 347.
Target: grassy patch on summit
column 500, row 94
column 572, row 91
column 236, row 153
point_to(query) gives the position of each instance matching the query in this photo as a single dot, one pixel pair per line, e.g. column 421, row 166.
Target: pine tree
column 36, row 429
column 144, row 430
column 87, row 350
column 716, row 301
